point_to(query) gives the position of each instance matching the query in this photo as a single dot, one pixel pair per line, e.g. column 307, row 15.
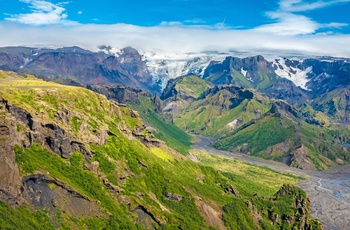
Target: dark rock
column 53, row 195
column 9, row 173
column 80, row 147
column 173, row 196
column 115, row 189
column 146, row 218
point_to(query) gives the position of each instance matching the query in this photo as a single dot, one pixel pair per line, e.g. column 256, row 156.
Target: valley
column 224, row 143
column 329, row 191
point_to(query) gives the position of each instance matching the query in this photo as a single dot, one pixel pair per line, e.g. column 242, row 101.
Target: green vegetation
column 126, row 174
column 258, row 136
column 244, row 175
column 212, row 114
column 191, row 86
column 172, row 135
column 22, row 218
column 237, row 215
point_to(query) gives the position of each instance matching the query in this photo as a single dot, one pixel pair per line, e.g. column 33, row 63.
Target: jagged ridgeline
column 71, row 159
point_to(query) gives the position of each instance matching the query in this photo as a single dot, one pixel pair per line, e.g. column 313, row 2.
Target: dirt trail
column 329, row 191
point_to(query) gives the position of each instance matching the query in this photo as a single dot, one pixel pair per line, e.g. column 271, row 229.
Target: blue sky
column 310, row 26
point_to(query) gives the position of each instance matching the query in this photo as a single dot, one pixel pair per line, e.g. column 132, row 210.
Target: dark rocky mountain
column 254, row 72
column 75, row 66
column 320, row 75
column 290, row 79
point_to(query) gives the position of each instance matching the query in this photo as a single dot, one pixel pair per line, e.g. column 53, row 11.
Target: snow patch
column 25, row 62
column 244, row 72
column 232, row 125
column 297, row 76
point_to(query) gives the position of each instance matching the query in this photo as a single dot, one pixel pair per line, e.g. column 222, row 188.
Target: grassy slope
column 335, row 104
column 162, row 170
column 210, row 115
column 172, row 135
column 191, row 86
column 272, row 130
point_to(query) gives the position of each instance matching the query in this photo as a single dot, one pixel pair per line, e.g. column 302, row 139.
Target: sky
column 313, row 27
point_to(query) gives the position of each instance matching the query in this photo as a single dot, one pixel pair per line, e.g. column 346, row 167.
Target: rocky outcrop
column 49, row 134
column 146, row 218
column 281, row 106
column 299, row 159
column 9, row 174
column 53, row 195
column 299, row 218
column 173, row 196
column 230, row 189
column 19, row 127
column 118, row 93
column 212, row 217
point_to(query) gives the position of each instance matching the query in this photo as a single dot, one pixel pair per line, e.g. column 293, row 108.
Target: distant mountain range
column 151, row 70
column 294, row 110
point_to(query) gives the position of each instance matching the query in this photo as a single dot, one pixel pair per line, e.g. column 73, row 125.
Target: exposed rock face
column 9, row 174
column 51, row 135
column 285, row 107
column 53, row 195
column 232, row 69
column 285, row 90
column 232, row 125
column 212, row 217
column 31, row 129
column 301, row 204
column 146, row 218
column 300, row 160
column 169, row 90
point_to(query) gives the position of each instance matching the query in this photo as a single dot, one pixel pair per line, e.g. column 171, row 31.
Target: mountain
column 254, row 72
column 317, row 75
column 181, row 92
column 335, row 103
column 293, row 79
column 315, row 87
column 84, row 162
column 75, row 66
column 246, row 121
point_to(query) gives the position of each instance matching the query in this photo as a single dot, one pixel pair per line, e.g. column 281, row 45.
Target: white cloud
column 290, row 33
column 173, row 38
column 42, row 13
column 288, row 22
column 80, row 12
column 300, row 5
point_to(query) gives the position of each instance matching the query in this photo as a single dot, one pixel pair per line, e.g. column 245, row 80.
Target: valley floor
column 329, row 191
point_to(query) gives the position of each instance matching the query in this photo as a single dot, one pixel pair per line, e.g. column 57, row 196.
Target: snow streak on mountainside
column 284, row 68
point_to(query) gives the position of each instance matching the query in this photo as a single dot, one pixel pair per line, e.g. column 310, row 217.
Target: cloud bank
column 291, row 32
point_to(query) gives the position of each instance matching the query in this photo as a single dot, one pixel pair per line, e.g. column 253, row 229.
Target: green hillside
column 246, row 121
column 79, row 161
